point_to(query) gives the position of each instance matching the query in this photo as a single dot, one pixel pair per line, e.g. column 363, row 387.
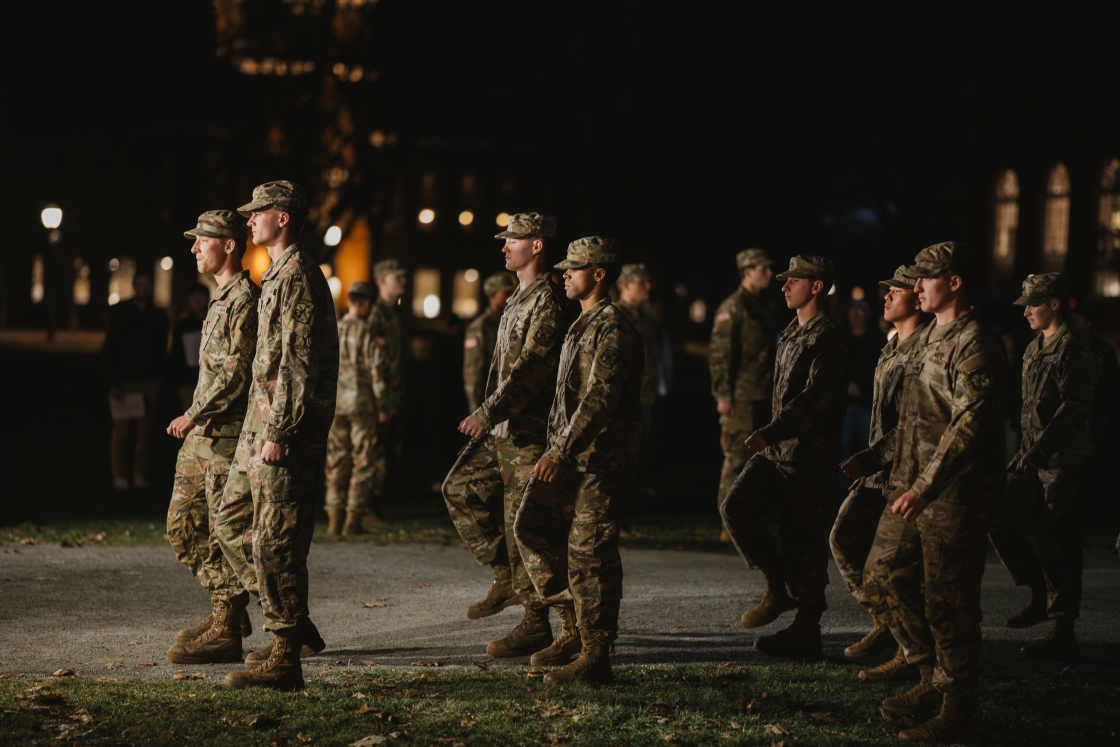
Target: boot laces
column 218, row 620
column 274, row 654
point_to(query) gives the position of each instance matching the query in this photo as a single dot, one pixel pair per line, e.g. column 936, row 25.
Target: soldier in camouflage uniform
column 741, row 364
column 925, row 567
column 276, row 480
column 351, row 470
column 482, row 337
column 567, row 528
column 210, row 428
column 634, row 285
column 484, row 488
column 1046, row 477
column 794, row 467
column 854, row 530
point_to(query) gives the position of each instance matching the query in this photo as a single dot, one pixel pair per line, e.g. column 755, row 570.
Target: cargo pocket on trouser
column 285, row 522
column 594, row 563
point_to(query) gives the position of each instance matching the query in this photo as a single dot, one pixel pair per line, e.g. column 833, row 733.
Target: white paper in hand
column 129, row 407
column 192, row 346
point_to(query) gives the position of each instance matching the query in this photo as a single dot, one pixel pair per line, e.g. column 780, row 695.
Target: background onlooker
column 865, row 342
column 186, row 338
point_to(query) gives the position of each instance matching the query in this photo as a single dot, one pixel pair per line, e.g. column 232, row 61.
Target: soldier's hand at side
column 909, row 505
column 471, row 427
column 545, row 470
column 756, row 442
column 180, row 427
column 1026, row 465
column 272, row 453
column 853, row 467
column 382, row 417
column 725, row 408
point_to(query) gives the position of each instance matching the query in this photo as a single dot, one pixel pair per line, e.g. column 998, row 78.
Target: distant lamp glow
column 832, row 290
column 336, row 287
column 427, row 215
column 377, row 138
column 51, row 217
column 114, row 263
column 114, row 299
column 431, row 307
column 166, row 263
column 857, row 293
column 502, row 219
column 466, row 218
column 333, row 236
column 698, row 311
column 328, row 271
column 471, row 276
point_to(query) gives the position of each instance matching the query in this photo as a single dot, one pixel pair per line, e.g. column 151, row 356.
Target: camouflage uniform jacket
column 741, row 350
column 887, row 396
column 523, row 370
column 596, row 420
column 478, row 351
column 648, row 332
column 356, row 351
column 810, row 394
column 229, row 338
column 1058, row 379
column 949, row 443
column 389, row 361
column 295, row 372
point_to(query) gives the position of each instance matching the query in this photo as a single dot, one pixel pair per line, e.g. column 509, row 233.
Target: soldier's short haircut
column 614, row 272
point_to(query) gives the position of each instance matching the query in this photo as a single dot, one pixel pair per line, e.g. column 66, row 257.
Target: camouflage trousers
column 567, row 531
column 1056, row 499
column 923, row 580
column 200, row 478
column 357, row 463
column 734, row 429
column 802, row 495
column 853, row 534
column 483, row 492
column 266, row 521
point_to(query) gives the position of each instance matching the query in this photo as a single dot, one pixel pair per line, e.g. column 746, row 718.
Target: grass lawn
column 790, row 704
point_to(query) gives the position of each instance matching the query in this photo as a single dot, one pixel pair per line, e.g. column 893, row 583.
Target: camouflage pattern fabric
column 853, row 533
column 357, row 463
column 357, row 351
column 923, row 578
column 741, row 350
column 389, row 361
column 647, row 329
column 733, row 431
column 886, row 399
column 200, row 479
column 282, row 195
column 220, row 224
column 475, row 496
column 478, row 350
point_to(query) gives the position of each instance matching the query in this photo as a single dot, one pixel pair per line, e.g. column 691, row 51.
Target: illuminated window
column 425, row 292
column 1106, row 277
column 1006, row 223
column 1055, row 229
column 121, row 272
column 464, row 294
column 81, row 283
column 38, row 272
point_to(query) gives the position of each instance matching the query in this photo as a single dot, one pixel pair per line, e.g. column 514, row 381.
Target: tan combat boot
column 593, row 664
column 879, row 639
column 801, row 640
column 220, row 643
column 1059, row 643
column 353, row 525
column 335, row 517
column 955, row 720
column 313, row 643
column 498, row 598
column 921, row 697
column 895, row 669
column 531, row 635
column 280, row 671
column 1031, row 615
column 768, row 609
column 187, row 634
column 566, row 645
column 373, row 518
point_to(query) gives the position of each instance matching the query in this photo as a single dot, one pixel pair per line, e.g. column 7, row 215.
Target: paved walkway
column 81, row 608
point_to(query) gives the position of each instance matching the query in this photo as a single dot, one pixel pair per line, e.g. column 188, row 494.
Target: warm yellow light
column 166, row 263
column 857, row 293
column 333, row 236
column 336, row 287
column 502, row 219
column 471, row 275
column 377, row 138
column 328, row 271
column 427, row 215
column 51, row 216
column 466, row 218
column 431, row 307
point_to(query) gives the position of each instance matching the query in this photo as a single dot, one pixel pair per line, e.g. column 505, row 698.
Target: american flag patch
column 382, row 342
column 471, row 343
column 724, row 316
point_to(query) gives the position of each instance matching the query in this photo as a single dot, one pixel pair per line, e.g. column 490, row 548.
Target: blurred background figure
column 865, row 342
column 482, row 335
column 634, row 286
column 135, row 356
column 186, row 339
column 1106, row 401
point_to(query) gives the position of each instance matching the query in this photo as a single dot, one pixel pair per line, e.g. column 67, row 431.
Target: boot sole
column 766, row 621
column 493, row 610
column 220, row 659
column 867, row 654
column 499, row 653
column 559, row 660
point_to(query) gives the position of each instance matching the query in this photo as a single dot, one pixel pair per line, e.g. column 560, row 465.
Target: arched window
column 1006, row 223
column 1106, row 280
column 1055, row 228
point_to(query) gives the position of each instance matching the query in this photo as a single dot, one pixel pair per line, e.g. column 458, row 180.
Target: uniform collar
column 589, row 316
column 232, row 283
column 938, row 332
column 1045, row 346
column 274, row 268
column 794, row 329
column 523, row 293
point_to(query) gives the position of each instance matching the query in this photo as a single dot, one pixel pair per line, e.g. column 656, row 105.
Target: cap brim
column 513, row 235
column 925, row 272
column 571, row 264
column 247, row 210
column 1031, row 300
column 194, row 232
column 893, row 283
column 804, row 276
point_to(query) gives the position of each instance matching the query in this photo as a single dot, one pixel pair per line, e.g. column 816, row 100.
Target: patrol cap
column 636, row 271
column 499, row 281
column 220, row 224
column 904, row 278
column 361, row 289
column 936, row 259
column 752, row 258
column 280, row 195
column 524, row 225
column 388, row 267
column 590, row 250
column 1038, row 289
column 808, row 266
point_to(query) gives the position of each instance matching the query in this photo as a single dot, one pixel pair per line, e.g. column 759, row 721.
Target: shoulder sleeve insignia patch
column 608, row 359
column 723, row 316
column 303, row 312
column 544, row 334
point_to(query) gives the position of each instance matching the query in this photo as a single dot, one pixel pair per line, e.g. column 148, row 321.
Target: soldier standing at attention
column 508, row 433
column 210, row 428
column 1046, row 477
column 567, row 527
column 794, row 468
column 924, row 571
column 275, row 484
column 855, row 526
column 741, row 363
column 482, row 336
column 350, row 443
column 634, row 287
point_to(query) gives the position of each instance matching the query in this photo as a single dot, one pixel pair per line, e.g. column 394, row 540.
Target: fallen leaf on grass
column 10, row 675
column 828, row 718
column 99, row 537
column 113, row 665
column 736, row 725
column 483, row 665
column 369, row 741
column 554, row 712
column 29, row 541
column 774, row 729
column 82, row 717
column 469, row 722
column 63, row 673
column 671, row 736
column 536, row 672
column 423, row 663
column 302, row 738
column 359, row 695
column 185, row 676
column 143, row 664
column 258, row 720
